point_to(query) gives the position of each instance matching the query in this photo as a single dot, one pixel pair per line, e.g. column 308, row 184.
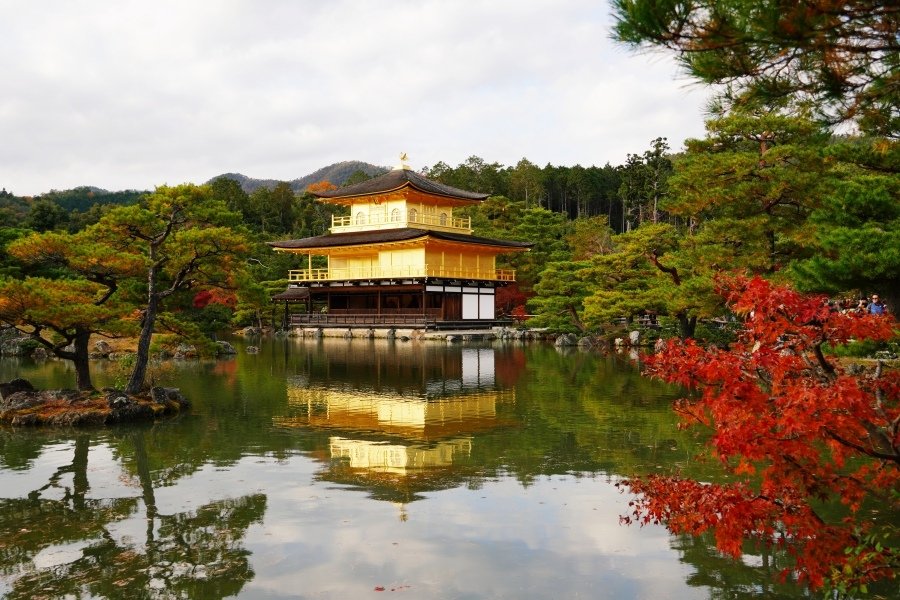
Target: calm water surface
column 339, row 469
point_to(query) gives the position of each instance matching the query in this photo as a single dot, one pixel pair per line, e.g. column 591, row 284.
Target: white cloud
column 133, row 94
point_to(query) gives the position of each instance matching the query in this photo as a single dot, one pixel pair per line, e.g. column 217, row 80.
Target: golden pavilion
column 402, row 257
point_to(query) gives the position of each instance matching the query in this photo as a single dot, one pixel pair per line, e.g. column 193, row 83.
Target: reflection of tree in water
column 185, row 555
column 29, row 525
column 728, row 579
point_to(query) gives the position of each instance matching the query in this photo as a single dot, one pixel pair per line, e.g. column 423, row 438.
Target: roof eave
column 346, row 200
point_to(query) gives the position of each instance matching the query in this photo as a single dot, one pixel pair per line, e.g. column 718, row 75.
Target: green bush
column 718, row 335
column 862, row 349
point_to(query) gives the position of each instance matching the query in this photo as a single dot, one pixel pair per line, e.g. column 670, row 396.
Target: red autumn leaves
column 811, row 446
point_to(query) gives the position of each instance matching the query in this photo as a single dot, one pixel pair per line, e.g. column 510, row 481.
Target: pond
column 348, row 469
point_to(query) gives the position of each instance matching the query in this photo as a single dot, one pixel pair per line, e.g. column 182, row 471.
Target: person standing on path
column 876, row 306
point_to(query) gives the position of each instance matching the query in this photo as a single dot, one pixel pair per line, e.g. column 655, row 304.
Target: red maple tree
column 511, row 299
column 812, row 448
column 203, row 298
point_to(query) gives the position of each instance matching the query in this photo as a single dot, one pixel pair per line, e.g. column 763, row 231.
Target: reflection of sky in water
column 397, row 467
column 554, row 538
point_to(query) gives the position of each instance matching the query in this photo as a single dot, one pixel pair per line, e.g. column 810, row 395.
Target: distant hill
column 83, row 197
column 336, row 174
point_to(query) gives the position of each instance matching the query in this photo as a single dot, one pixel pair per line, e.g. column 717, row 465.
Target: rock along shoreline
column 22, row 405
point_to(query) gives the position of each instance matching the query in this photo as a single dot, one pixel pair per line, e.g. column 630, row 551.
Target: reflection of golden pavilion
column 414, row 418
column 382, row 368
column 397, row 458
column 401, row 418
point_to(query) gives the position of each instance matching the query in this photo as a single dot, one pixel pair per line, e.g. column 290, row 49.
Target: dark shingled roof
column 292, row 294
column 396, row 179
column 336, row 240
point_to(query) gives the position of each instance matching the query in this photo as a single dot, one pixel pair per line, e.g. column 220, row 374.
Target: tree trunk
column 142, row 357
column 687, row 326
column 574, row 314
column 80, row 359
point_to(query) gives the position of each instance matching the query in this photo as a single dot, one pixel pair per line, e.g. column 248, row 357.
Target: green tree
column 644, row 184
column 357, row 176
column 559, row 294
column 843, row 59
column 548, row 232
column 9, row 266
column 260, row 214
column 856, row 228
column 283, row 202
column 84, row 197
column 186, row 239
column 474, row 174
column 63, row 313
column 558, row 303
column 79, row 220
column 526, row 183
column 230, row 192
column 496, row 217
column 749, row 187
column 652, row 269
column 46, row 215
column 590, row 237
column 13, row 209
column 312, row 217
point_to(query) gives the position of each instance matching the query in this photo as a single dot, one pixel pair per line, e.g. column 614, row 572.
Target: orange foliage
column 320, row 186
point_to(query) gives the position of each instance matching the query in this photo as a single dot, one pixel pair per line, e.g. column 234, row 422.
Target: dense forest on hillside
column 644, row 237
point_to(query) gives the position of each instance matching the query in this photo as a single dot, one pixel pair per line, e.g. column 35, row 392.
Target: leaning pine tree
column 186, row 239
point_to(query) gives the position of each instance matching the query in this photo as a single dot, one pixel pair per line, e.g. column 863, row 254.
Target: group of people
column 872, row 306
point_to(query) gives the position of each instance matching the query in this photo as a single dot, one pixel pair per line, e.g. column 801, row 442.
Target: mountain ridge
column 337, row 173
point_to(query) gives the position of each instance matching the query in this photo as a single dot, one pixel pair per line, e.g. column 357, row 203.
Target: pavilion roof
column 292, row 294
column 383, row 236
column 396, row 179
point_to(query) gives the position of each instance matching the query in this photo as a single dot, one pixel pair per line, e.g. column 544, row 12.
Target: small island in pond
column 22, row 405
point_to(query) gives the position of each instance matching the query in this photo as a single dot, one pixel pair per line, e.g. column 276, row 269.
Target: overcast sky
column 133, row 94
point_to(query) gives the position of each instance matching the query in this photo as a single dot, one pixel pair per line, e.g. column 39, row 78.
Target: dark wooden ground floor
column 373, row 321
column 428, row 304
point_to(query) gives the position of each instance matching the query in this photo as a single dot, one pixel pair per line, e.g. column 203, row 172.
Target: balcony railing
column 409, row 219
column 350, row 318
column 409, row 272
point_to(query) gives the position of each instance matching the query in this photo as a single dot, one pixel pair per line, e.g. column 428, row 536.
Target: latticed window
column 413, row 213
column 360, row 218
column 443, row 219
column 395, row 215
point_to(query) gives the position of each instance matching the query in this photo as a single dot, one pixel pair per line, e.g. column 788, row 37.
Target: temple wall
column 482, row 261
column 380, row 208
column 359, row 264
column 412, row 257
